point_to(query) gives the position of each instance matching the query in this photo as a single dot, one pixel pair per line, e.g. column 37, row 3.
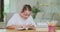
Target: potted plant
column 35, row 10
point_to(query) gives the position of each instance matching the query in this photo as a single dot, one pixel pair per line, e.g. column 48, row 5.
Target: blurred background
column 42, row 10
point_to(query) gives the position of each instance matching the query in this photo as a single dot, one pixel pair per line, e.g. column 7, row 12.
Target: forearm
column 32, row 27
column 14, row 26
column 10, row 27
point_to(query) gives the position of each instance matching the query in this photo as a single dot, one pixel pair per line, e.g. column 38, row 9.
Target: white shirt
column 18, row 20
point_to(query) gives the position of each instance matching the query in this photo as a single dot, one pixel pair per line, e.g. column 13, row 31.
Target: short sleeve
column 12, row 20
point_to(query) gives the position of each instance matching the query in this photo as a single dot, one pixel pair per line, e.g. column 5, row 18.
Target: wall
column 48, row 6
column 16, row 5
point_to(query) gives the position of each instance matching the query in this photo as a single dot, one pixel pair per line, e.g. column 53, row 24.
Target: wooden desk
column 11, row 30
column 7, row 30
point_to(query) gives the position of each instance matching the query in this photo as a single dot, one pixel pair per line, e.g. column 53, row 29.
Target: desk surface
column 12, row 30
column 38, row 30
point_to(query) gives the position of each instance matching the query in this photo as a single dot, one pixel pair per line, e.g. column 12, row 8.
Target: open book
column 24, row 28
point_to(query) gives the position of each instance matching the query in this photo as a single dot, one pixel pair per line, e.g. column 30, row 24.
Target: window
column 6, row 6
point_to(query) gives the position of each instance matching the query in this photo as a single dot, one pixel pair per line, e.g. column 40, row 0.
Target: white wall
column 12, row 6
column 16, row 5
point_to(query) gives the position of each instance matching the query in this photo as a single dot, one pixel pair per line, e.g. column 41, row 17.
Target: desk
column 12, row 30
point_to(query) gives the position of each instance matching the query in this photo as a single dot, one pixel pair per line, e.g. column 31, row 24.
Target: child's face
column 26, row 14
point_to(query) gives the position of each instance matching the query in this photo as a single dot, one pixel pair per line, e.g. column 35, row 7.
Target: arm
column 11, row 27
column 31, row 27
column 14, row 26
column 11, row 22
